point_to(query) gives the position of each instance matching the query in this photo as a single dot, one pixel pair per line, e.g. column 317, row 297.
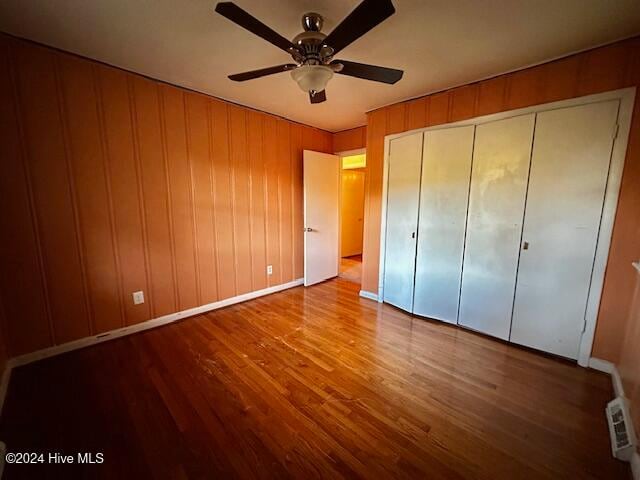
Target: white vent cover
column 623, row 440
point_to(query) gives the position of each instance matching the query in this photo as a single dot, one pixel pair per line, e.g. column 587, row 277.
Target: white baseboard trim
column 155, row 322
column 610, row 368
column 121, row 332
column 369, row 295
column 635, row 466
column 4, row 384
column 601, row 365
column 618, row 389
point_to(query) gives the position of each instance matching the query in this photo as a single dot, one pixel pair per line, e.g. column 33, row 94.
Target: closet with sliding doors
column 494, row 223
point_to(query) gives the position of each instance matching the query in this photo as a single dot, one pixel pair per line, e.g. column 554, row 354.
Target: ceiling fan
column 313, row 51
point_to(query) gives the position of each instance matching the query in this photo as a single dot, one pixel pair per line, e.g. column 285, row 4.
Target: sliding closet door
column 501, row 156
column 403, row 198
column 569, row 169
column 446, row 170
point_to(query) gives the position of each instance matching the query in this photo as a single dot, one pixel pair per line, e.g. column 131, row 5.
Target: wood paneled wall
column 629, row 365
column 602, row 69
column 112, row 183
column 352, row 139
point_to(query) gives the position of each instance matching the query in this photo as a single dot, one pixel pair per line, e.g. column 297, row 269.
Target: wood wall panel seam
column 232, row 180
column 194, row 223
column 292, row 259
column 265, row 186
column 170, row 222
column 279, row 197
column 250, row 199
column 24, row 160
column 271, row 193
column 241, row 213
column 476, row 99
column 212, row 182
column 505, row 94
column 108, row 175
column 90, row 177
column 232, row 186
column 292, row 214
column 265, row 205
column 141, row 201
column 284, row 186
column 225, row 178
column 427, row 110
column 74, row 199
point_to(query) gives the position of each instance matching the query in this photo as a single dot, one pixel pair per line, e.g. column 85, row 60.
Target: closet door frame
column 626, row 96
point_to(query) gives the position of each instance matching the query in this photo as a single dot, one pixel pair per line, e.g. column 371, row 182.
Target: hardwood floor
column 351, row 268
column 311, row 383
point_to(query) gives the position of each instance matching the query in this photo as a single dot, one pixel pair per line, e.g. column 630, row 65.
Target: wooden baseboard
column 121, row 332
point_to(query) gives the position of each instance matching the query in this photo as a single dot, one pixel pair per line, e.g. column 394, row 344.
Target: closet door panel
column 501, row 159
column 446, row 169
column 403, row 197
column 569, row 169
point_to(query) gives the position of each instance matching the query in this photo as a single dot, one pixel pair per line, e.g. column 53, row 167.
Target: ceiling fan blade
column 242, row 77
column 369, row 72
column 366, row 16
column 238, row 16
column 319, row 97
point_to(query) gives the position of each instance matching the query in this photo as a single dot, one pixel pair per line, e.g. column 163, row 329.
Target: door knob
column 525, row 246
column 308, row 229
column 413, row 234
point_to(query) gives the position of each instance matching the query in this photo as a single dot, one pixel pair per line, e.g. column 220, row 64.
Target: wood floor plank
column 311, row 383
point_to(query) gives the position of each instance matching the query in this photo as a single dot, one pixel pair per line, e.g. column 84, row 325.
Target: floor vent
column 620, row 429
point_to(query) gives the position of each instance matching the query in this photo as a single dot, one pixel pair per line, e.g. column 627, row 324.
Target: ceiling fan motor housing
column 311, row 49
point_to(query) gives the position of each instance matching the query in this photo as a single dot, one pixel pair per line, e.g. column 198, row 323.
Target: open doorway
column 334, row 191
column 352, row 186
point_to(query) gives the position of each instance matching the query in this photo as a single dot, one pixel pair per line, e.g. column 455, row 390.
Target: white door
column 501, row 159
column 403, row 198
column 321, row 216
column 444, row 194
column 569, row 169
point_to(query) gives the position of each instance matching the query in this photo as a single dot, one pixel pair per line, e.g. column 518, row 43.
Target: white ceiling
column 438, row 43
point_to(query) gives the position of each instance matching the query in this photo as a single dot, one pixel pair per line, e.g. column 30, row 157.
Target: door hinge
column 616, row 127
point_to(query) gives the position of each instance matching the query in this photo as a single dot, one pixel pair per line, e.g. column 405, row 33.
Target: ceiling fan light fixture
column 313, row 51
column 312, row 77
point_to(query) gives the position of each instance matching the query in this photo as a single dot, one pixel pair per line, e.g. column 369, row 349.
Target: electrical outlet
column 269, row 269
column 138, row 297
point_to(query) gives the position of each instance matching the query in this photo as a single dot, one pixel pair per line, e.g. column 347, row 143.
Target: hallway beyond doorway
column 351, row 268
